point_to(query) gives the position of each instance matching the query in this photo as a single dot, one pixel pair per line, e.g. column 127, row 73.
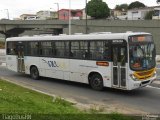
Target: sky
column 15, row 8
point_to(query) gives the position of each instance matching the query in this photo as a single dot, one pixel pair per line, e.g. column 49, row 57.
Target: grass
column 18, row 100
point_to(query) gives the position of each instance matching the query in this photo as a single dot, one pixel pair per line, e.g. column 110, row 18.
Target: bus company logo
column 50, row 63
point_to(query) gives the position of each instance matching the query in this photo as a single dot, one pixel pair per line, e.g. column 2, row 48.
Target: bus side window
column 66, row 49
column 84, row 53
column 107, row 52
column 71, row 54
column 96, row 50
column 34, row 48
column 46, row 49
column 61, row 49
column 79, row 50
column 75, row 49
column 53, row 49
column 11, row 48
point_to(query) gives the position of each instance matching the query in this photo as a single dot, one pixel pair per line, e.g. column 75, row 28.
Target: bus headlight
column 133, row 77
column 154, row 74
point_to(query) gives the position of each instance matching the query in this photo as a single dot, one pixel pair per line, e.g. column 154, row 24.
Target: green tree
column 122, row 7
column 136, row 4
column 149, row 15
column 97, row 9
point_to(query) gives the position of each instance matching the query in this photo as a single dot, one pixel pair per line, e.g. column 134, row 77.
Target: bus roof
column 93, row 36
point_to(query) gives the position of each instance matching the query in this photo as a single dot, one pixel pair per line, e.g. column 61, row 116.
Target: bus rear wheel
column 96, row 82
column 34, row 73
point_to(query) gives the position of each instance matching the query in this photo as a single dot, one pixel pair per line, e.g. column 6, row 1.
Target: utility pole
column 57, row 9
column 7, row 13
column 69, row 17
column 86, row 19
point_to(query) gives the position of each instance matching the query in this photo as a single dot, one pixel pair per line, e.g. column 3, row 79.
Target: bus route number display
column 140, row 39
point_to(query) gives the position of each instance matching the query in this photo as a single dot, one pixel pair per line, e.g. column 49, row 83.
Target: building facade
column 84, row 14
column 46, row 15
column 118, row 14
column 64, row 14
column 28, row 17
column 156, row 13
column 140, row 13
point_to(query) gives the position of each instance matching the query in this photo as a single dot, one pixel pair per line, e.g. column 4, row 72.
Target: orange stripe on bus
column 102, row 63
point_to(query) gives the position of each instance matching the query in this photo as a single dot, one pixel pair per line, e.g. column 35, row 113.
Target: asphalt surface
column 146, row 99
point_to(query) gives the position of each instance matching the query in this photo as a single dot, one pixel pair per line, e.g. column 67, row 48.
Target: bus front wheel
column 96, row 82
column 34, row 73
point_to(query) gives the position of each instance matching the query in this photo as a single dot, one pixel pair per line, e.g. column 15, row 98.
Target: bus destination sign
column 144, row 38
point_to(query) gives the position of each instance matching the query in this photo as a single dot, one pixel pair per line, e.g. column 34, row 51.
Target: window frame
column 109, row 45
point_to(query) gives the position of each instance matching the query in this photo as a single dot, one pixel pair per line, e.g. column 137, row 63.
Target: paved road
column 141, row 100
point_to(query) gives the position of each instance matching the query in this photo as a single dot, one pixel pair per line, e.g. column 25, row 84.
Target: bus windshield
column 142, row 55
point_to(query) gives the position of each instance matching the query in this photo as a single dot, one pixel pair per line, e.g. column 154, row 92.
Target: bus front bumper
column 140, row 84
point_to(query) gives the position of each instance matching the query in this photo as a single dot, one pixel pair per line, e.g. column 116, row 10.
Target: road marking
column 153, row 87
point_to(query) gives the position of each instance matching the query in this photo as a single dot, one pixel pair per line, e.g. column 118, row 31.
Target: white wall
column 43, row 15
column 134, row 15
column 137, row 14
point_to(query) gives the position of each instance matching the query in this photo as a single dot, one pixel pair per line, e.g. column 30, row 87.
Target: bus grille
column 144, row 74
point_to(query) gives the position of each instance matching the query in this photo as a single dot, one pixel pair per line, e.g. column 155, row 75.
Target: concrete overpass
column 11, row 28
column 17, row 27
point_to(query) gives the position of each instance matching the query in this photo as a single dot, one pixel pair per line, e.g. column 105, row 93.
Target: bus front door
column 20, row 58
column 119, row 66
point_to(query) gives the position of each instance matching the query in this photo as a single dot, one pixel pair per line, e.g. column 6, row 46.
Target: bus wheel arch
column 96, row 81
column 34, row 72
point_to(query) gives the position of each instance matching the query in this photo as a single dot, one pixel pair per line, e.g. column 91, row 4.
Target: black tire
column 96, row 82
column 34, row 73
